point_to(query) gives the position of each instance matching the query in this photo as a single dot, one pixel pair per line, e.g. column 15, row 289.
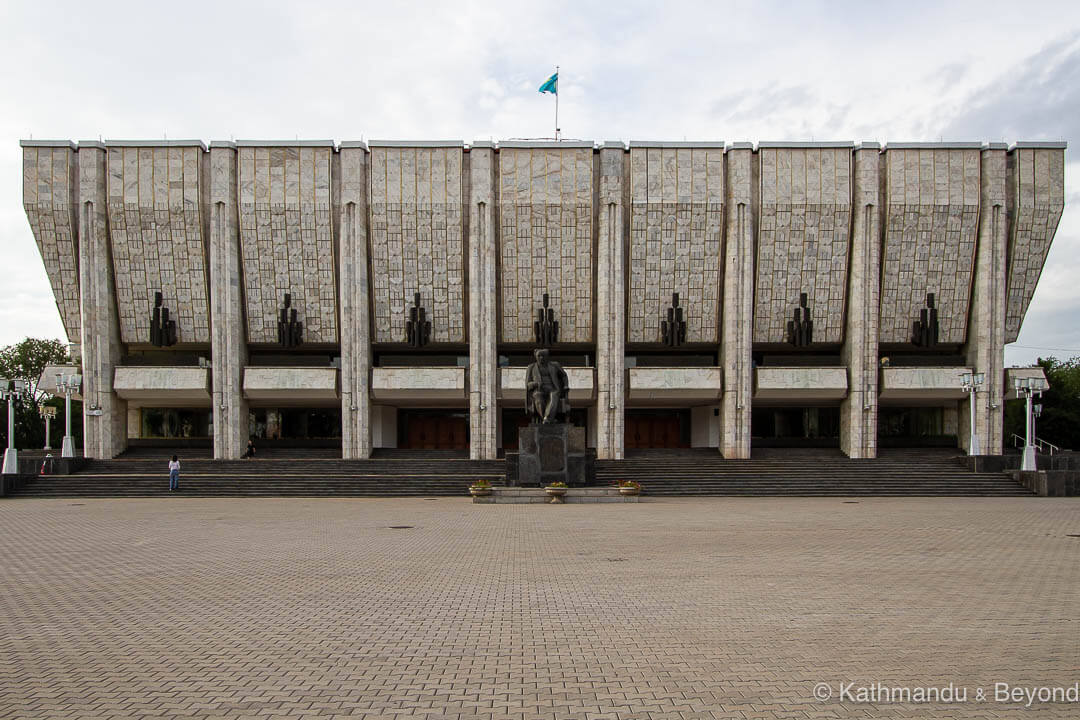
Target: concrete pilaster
column 736, row 342
column 985, row 348
column 611, row 304
column 483, row 352
column 227, row 336
column 859, row 410
column 356, row 436
column 104, row 413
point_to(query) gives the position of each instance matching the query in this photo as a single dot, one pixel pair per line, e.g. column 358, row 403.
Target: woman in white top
column 174, row 474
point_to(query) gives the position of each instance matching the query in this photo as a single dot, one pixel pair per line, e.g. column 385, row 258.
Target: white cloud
column 699, row 70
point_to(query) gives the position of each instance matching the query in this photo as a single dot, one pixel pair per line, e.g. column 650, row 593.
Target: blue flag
column 551, row 85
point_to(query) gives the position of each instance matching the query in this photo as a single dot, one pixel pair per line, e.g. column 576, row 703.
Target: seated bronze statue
column 547, row 390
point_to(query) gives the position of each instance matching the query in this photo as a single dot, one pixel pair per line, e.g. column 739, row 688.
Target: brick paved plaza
column 706, row 608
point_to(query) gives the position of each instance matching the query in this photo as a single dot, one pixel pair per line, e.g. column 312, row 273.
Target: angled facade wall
column 609, row 232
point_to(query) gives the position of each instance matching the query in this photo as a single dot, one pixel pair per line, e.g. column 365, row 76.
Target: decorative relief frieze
column 546, row 244
column 417, row 240
column 676, row 239
column 157, row 239
column 286, row 239
column 932, row 213
column 1038, row 179
column 48, row 198
column 803, row 240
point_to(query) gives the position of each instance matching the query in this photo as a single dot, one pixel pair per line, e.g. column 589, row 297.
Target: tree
column 1060, row 420
column 26, row 361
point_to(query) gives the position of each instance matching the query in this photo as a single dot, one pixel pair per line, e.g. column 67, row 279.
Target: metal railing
column 1041, row 445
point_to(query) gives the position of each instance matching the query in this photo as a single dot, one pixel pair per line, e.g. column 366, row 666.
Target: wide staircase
column 805, row 472
column 283, row 472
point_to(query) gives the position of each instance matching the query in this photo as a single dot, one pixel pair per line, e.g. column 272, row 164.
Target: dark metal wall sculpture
column 546, row 327
column 924, row 331
column 418, row 327
column 162, row 329
column 673, row 330
column 800, row 329
column 290, row 331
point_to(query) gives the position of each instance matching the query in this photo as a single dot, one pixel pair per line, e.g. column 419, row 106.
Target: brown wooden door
column 653, row 431
column 437, row 432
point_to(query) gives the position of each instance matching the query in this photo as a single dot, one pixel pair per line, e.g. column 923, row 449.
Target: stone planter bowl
column 629, row 491
column 479, row 491
column 556, row 494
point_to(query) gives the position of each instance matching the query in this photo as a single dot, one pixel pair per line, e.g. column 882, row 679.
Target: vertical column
column 985, row 348
column 483, row 358
column 859, row 410
column 736, row 340
column 227, row 336
column 611, row 303
column 104, row 413
column 356, row 439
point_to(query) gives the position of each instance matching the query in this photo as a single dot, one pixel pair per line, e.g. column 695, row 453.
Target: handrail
column 1043, row 446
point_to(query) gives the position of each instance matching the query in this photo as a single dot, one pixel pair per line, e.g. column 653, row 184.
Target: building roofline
column 933, row 146
column 1041, row 144
column 677, row 144
column 766, row 144
column 155, row 143
column 566, row 144
column 48, row 143
column 285, row 143
column 416, row 143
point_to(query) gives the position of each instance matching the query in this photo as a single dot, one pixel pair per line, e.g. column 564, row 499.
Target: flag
column 551, row 85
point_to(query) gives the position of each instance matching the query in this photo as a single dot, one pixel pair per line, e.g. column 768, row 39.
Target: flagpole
column 556, row 102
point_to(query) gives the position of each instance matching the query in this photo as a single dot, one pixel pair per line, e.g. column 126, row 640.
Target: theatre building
column 389, row 294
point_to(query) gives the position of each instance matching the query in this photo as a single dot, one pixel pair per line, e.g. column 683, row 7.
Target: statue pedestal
column 548, row 454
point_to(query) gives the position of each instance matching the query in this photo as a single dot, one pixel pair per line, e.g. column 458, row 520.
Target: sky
column 469, row 70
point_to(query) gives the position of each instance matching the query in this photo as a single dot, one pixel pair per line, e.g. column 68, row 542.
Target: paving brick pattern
column 709, row 608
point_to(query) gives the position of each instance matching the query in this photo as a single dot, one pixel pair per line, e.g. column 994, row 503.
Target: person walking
column 174, row 474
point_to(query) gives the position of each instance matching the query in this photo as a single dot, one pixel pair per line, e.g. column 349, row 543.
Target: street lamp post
column 970, row 383
column 11, row 455
column 69, row 385
column 48, row 412
column 1029, row 387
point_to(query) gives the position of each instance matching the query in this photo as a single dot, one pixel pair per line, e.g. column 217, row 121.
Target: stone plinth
column 501, row 495
column 548, row 454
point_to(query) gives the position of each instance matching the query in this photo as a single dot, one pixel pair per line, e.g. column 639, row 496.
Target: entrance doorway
column 795, row 427
column 434, row 430
column 657, row 429
column 295, row 427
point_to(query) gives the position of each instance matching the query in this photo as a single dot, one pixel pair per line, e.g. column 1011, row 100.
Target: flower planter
column 629, row 491
column 479, row 491
column 556, row 494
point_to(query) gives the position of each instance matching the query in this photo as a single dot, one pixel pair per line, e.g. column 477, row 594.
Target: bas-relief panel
column 546, row 245
column 157, row 239
column 417, row 240
column 48, row 188
column 676, row 238
column 804, row 239
column 286, row 240
column 1039, row 181
column 932, row 212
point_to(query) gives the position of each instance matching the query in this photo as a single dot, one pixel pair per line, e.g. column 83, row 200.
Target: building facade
column 388, row 294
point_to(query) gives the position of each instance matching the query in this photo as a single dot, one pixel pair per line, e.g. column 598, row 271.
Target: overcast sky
column 884, row 71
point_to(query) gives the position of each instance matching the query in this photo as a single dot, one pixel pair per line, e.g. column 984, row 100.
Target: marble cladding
column 803, row 240
column 545, row 208
column 676, row 239
column 932, row 214
column 286, row 239
column 49, row 201
column 1038, row 178
column 417, row 240
column 157, row 239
